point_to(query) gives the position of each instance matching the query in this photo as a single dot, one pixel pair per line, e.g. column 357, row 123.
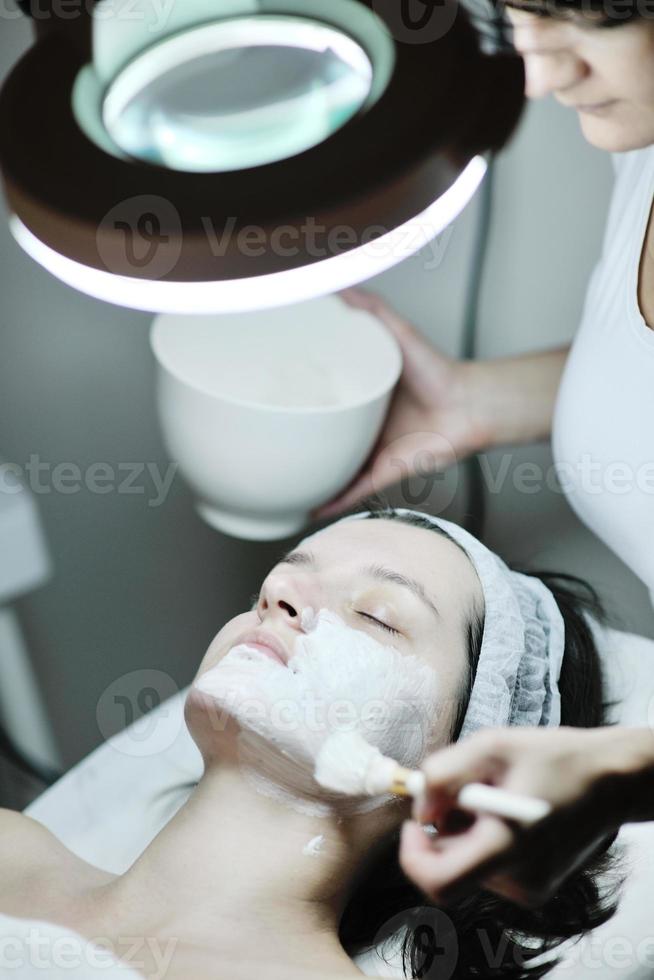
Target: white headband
column 516, row 681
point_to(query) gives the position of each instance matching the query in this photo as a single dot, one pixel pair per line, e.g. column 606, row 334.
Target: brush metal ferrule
column 407, row 782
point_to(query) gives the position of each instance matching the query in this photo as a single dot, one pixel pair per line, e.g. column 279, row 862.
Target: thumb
column 411, row 341
column 361, row 487
column 447, row 867
column 381, row 471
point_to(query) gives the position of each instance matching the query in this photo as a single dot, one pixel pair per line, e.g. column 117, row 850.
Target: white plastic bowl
column 270, row 414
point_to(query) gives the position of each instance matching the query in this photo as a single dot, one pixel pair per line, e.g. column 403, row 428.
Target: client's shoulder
column 24, row 857
column 17, row 830
column 25, row 845
column 36, row 869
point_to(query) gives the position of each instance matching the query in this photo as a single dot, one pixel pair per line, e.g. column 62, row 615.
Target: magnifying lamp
column 242, row 154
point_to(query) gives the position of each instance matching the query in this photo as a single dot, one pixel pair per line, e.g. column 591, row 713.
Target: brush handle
column 501, row 803
column 479, row 798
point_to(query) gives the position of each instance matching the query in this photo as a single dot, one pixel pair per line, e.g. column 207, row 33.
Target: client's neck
column 234, row 863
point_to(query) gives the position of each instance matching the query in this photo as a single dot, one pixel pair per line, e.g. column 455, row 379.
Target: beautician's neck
column 233, row 860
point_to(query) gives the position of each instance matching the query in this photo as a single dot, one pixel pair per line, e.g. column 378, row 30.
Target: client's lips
column 268, row 645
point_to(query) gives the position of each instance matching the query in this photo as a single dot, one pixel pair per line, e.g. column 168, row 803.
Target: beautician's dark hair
column 598, row 13
column 496, row 938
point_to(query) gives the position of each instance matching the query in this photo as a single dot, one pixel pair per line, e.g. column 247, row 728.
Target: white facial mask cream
column 338, row 679
column 314, row 847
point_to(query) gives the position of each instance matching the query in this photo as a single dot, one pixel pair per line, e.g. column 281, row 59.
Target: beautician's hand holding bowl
column 595, row 780
column 444, row 410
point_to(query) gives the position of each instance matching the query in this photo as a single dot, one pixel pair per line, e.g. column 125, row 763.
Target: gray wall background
column 137, row 587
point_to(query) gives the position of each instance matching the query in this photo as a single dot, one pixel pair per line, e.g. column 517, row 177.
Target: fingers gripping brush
column 348, row 764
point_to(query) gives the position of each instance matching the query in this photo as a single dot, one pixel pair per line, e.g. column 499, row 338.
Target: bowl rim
column 385, row 389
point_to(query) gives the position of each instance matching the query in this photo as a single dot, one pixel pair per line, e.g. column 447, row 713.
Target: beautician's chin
column 604, row 128
column 601, row 136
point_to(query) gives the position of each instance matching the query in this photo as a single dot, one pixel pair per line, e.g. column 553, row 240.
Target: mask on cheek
column 338, row 679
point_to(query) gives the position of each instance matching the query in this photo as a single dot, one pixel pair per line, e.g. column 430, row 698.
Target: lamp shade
column 245, row 154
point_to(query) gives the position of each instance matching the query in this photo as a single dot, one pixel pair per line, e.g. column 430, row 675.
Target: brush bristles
column 343, row 762
column 348, row 764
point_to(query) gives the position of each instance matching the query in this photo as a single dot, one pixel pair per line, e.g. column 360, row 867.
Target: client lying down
column 394, row 624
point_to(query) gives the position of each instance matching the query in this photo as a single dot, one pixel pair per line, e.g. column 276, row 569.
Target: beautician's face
column 605, row 74
column 361, row 570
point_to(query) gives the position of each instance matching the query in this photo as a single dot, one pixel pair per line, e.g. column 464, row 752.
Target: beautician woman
column 596, row 399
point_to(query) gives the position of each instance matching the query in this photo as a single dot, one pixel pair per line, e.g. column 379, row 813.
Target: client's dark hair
column 495, row 937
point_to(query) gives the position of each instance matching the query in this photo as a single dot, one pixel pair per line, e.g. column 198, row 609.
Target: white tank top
column 603, row 436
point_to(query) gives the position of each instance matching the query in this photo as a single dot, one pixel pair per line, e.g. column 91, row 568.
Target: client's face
column 397, row 591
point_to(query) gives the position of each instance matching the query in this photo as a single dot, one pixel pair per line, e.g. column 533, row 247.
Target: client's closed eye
column 378, row 622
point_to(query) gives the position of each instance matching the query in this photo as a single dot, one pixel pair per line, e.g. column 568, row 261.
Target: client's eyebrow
column 383, row 574
column 378, row 572
column 298, row 558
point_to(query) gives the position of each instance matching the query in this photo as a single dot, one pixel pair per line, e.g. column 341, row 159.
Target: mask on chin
column 338, row 679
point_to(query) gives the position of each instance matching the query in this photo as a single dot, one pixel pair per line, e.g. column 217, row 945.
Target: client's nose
column 283, row 600
column 288, row 611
